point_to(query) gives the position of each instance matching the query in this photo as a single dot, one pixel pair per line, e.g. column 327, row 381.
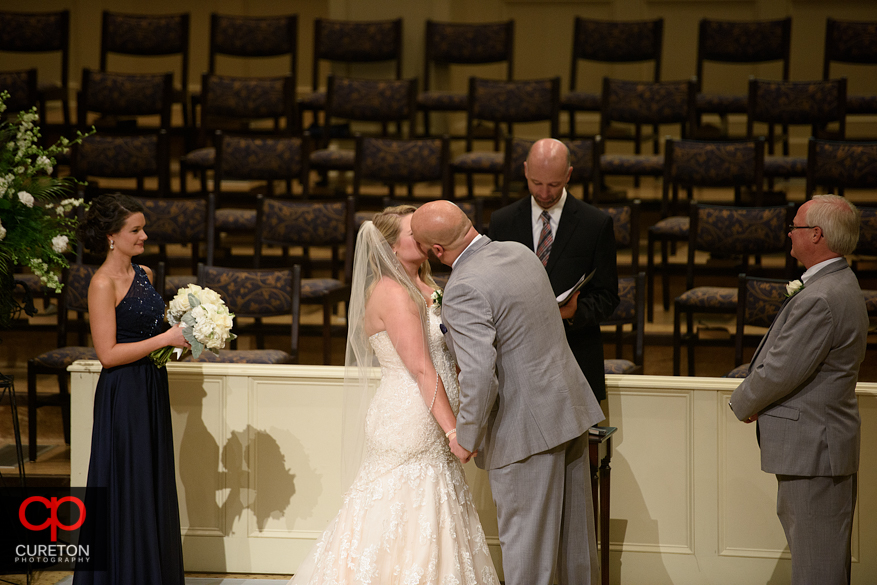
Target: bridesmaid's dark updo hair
column 106, row 215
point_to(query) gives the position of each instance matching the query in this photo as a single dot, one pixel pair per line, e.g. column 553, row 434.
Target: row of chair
column 445, row 44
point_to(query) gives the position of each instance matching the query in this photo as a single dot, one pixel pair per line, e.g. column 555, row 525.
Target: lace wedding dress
column 408, row 518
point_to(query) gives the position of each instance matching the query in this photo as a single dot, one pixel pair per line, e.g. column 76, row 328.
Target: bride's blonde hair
column 389, row 223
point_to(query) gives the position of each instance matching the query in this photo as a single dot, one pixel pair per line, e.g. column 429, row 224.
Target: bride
column 408, row 517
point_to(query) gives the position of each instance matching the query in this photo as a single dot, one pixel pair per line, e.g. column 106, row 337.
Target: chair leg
column 677, row 342
column 327, row 332
column 31, row 411
column 665, row 276
column 690, row 340
column 470, row 185
column 650, row 276
column 65, row 406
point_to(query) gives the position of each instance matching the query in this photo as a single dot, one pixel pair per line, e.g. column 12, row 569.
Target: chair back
column 605, row 41
column 758, row 302
column 758, row 41
column 581, row 158
column 130, row 156
column 532, row 100
column 816, row 103
column 867, row 245
column 457, row 43
column 125, row 94
column 307, row 223
column 349, row 41
column 253, row 293
column 74, row 297
column 643, row 102
column 395, row 161
column 254, row 105
column 849, row 42
column 263, row 158
column 146, row 35
column 41, row 32
column 22, row 88
column 178, row 221
column 630, row 311
column 374, row 100
column 739, row 231
column 254, row 36
column 625, row 223
column 840, row 164
column 701, row 163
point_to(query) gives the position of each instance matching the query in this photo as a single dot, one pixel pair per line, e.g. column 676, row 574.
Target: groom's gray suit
column 526, row 407
column 802, row 385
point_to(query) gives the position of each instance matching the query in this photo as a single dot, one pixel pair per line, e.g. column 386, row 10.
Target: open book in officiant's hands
column 563, row 297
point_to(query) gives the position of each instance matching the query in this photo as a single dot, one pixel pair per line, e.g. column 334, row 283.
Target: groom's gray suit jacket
column 802, row 379
column 521, row 390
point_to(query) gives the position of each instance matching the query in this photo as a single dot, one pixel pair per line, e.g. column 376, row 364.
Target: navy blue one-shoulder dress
column 132, row 456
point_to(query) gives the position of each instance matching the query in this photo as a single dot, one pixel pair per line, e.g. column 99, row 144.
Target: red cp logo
column 53, row 522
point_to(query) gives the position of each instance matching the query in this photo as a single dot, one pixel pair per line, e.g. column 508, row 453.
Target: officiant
column 571, row 238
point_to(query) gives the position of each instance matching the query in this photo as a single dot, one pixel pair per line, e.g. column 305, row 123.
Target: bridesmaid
column 132, row 454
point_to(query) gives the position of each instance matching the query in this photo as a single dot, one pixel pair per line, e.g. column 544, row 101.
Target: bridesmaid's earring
column 112, row 245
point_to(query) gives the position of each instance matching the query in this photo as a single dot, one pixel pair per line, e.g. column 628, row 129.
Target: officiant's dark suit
column 584, row 240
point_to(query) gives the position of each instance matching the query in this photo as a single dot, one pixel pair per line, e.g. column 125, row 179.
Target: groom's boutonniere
column 793, row 288
column 437, row 298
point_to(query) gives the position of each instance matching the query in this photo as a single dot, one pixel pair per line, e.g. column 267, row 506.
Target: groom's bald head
column 442, row 227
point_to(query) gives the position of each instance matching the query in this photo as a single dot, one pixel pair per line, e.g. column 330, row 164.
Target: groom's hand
column 462, row 453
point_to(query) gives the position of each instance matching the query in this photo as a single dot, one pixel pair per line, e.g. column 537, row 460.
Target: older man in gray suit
column 525, row 405
column 801, row 388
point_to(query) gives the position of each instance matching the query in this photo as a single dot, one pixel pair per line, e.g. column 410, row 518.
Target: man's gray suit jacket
column 802, row 379
column 521, row 390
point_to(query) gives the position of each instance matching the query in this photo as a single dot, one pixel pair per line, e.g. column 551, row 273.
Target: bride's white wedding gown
column 408, row 518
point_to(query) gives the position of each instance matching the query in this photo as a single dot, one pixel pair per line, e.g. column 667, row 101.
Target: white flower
column 25, row 198
column 793, row 287
column 44, row 163
column 59, row 244
column 179, row 305
column 2, row 231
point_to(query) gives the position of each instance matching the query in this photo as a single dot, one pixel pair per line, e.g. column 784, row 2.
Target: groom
column 525, row 405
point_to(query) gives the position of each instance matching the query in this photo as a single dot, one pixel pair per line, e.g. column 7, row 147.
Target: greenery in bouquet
column 206, row 322
column 36, row 223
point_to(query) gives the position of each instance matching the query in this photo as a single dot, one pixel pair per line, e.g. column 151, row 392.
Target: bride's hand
column 461, row 452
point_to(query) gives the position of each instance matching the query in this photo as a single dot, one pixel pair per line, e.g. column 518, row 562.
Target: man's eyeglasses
column 793, row 227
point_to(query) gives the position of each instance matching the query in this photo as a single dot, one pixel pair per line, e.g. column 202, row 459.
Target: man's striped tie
column 545, row 239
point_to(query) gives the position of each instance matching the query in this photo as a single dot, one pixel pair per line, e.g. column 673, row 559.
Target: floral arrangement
column 206, row 322
column 36, row 227
column 436, row 297
column 793, row 288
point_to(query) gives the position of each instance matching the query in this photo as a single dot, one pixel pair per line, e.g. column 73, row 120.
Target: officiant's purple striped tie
column 545, row 239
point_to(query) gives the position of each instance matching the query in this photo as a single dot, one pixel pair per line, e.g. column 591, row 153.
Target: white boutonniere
column 793, row 288
column 437, row 299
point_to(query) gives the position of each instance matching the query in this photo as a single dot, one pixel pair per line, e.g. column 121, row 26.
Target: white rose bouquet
column 205, row 319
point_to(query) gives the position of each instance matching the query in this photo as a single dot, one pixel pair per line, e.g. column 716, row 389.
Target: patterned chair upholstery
column 630, row 311
column 581, row 158
column 258, row 106
column 738, row 42
column 254, row 36
column 452, row 43
column 365, row 100
column 503, row 102
column 625, row 221
column 149, row 36
column 699, row 163
column 605, row 41
column 348, row 41
column 187, row 222
column 393, row 162
column 851, row 42
column 814, row 103
column 74, row 297
column 41, row 32
column 311, row 224
column 835, row 165
column 256, row 294
column 642, row 103
column 22, row 88
column 758, row 302
column 124, row 149
column 734, row 234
